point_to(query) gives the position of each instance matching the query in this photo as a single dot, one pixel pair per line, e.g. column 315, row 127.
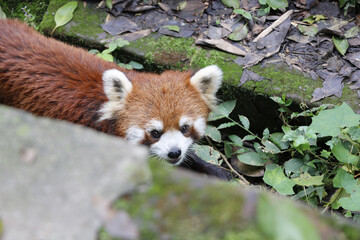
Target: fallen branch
column 273, row 25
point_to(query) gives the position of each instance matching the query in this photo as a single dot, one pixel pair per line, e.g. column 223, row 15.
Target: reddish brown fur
column 53, row 79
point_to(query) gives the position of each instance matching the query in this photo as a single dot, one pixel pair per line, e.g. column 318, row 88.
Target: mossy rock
column 180, row 205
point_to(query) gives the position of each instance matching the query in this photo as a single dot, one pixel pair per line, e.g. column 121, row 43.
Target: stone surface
column 57, row 179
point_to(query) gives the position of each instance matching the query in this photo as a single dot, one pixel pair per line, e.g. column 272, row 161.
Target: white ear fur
column 208, row 81
column 116, row 85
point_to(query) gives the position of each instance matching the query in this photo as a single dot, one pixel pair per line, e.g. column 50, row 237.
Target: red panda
column 166, row 111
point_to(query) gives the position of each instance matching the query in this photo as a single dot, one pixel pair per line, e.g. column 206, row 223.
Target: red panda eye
column 184, row 129
column 155, row 134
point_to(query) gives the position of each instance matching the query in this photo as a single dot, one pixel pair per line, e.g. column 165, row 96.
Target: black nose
column 174, row 153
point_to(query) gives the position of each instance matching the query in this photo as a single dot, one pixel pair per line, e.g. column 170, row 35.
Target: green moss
column 173, row 205
column 279, row 80
column 182, row 54
column 85, row 23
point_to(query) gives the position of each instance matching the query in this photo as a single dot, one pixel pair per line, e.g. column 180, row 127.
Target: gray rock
column 58, row 179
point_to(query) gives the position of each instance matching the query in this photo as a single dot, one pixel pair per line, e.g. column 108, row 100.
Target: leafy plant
column 319, row 163
column 346, row 4
column 107, row 56
column 266, row 5
column 243, row 13
column 64, row 14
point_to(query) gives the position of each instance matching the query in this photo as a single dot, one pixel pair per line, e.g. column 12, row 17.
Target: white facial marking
column 200, row 126
column 171, row 140
column 154, row 125
column 184, row 120
column 135, row 135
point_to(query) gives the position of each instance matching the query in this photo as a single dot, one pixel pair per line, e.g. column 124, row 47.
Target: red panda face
column 166, row 112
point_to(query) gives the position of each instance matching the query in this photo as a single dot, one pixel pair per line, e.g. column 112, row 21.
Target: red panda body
column 53, row 79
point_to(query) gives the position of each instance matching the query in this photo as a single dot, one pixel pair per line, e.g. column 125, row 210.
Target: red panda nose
column 174, row 153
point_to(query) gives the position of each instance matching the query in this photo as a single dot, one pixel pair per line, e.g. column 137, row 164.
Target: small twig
column 302, row 53
column 242, row 179
column 233, row 170
column 273, row 25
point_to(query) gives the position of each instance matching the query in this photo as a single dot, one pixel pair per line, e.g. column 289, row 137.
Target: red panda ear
column 208, row 81
column 116, row 85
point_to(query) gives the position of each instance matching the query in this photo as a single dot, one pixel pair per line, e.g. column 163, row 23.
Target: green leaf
column 252, row 158
column 266, row 133
column 93, row 51
column 222, row 110
column 340, row 44
column 342, row 3
column 239, row 33
column 262, row 2
column 244, row 13
column 172, row 28
column 244, row 121
column 314, row 18
column 351, row 186
column 181, row 5
column 280, row 219
column 278, row 100
column 226, row 125
column 277, row 4
column 231, row 3
column 236, row 140
column 329, row 122
column 2, row 14
column 112, row 46
column 228, row 149
column 206, row 153
column 128, row 66
column 121, row 42
column 109, row 4
column 249, row 138
column 276, row 138
column 106, row 57
column 64, row 14
column 307, row 180
column 213, row 133
column 293, row 165
column 343, row 154
column 310, row 31
column 277, row 179
column 325, row 154
column 352, row 32
column 270, row 147
column 302, row 141
column 136, row 65
column 354, row 133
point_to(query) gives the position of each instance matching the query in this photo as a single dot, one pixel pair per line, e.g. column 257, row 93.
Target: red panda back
column 50, row 78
